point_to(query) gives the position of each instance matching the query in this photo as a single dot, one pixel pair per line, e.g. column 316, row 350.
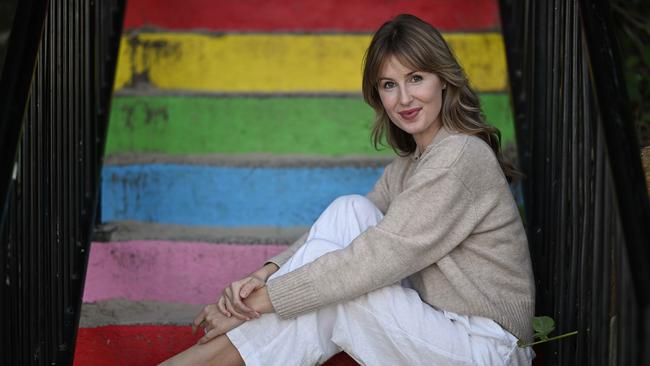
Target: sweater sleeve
column 433, row 214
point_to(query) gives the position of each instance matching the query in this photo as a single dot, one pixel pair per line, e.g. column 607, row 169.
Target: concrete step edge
column 137, row 230
column 252, row 160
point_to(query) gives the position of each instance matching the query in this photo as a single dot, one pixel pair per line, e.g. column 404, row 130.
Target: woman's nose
column 405, row 96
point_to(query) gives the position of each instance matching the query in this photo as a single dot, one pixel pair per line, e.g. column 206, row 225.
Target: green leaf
column 543, row 325
column 540, row 336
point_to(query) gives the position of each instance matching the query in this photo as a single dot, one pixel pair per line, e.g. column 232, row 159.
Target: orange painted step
column 307, row 15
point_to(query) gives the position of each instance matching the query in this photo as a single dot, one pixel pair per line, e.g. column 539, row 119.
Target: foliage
column 543, row 326
column 633, row 33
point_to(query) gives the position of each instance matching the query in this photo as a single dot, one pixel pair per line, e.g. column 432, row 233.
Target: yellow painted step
column 280, row 63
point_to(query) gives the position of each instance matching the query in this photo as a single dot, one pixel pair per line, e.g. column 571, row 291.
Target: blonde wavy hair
column 418, row 45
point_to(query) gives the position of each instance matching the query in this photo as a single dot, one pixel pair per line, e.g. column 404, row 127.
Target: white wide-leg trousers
column 389, row 326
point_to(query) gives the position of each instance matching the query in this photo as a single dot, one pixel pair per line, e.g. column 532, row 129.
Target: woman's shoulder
column 470, row 158
column 399, row 163
column 450, row 149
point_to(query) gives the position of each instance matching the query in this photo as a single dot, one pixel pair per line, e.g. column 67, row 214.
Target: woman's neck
column 424, row 140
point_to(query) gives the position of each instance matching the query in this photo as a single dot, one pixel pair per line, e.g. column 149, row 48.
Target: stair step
column 308, row 62
column 185, row 272
column 226, row 196
column 256, row 130
column 144, row 312
column 322, row 16
column 141, row 230
column 143, row 345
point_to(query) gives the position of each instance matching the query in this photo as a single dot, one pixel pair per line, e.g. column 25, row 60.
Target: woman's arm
column 267, row 270
column 260, row 301
column 214, row 323
column 231, row 302
column 433, row 214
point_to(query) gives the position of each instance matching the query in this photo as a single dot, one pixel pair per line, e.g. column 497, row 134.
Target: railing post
column 586, row 204
column 16, row 78
column 49, row 212
column 629, row 181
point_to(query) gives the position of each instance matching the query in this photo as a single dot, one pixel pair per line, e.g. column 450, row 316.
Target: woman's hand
column 214, row 323
column 231, row 301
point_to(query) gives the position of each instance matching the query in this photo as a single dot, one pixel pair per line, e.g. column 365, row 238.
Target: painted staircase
column 233, row 125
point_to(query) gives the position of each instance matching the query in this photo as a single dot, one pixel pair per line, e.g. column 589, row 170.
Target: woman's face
column 412, row 99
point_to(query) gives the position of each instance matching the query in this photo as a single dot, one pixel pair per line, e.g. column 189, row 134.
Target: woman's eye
column 416, row 78
column 389, row 85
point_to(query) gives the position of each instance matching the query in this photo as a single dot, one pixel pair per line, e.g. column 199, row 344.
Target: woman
column 441, row 216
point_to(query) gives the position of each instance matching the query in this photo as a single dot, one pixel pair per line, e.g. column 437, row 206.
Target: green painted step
column 329, row 126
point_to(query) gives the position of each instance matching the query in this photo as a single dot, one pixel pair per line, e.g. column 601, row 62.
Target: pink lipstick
column 410, row 113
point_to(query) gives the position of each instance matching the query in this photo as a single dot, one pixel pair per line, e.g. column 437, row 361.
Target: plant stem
column 551, row 339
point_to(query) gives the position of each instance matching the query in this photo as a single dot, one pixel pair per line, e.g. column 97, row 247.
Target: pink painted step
column 183, row 272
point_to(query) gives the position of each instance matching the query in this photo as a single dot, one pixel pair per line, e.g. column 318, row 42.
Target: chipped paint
column 279, row 63
column 326, row 126
column 166, row 271
column 225, row 196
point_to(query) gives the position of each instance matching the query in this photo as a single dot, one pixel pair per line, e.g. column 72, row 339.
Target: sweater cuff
column 518, row 319
column 293, row 294
column 279, row 259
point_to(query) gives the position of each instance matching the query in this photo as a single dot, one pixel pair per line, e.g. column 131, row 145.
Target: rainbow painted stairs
column 234, row 123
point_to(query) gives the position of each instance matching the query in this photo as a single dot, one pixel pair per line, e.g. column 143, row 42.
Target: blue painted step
column 226, row 196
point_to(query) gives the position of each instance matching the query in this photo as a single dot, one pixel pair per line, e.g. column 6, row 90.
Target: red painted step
column 308, row 16
column 143, row 345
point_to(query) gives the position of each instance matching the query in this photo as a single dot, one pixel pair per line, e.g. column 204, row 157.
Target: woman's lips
column 410, row 113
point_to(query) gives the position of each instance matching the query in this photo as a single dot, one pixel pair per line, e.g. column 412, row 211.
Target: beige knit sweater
column 450, row 223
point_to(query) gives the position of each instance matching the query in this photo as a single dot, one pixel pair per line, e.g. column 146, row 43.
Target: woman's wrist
column 260, row 301
column 267, row 270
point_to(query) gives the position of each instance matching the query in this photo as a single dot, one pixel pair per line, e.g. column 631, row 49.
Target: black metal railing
column 55, row 95
column 587, row 212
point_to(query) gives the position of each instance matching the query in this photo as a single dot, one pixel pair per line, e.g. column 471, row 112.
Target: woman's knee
column 384, row 302
column 354, row 202
column 345, row 219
